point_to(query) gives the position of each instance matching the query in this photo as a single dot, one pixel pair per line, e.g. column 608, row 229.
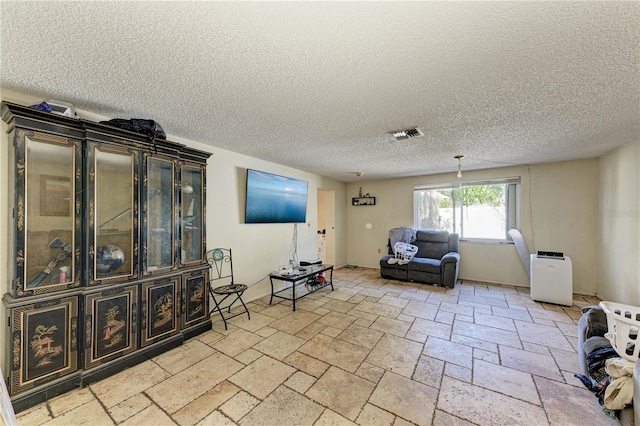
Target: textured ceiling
column 317, row 86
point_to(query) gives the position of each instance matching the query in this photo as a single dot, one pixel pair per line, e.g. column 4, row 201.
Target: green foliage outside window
column 492, row 195
column 476, row 210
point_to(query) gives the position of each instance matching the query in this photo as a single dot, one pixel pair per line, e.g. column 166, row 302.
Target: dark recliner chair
column 437, row 261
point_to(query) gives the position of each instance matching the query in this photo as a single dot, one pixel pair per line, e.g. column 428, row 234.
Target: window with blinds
column 476, row 210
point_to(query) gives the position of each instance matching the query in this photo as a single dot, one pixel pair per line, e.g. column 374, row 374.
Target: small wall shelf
column 363, row 201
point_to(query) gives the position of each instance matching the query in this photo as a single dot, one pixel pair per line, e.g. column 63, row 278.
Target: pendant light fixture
column 459, row 158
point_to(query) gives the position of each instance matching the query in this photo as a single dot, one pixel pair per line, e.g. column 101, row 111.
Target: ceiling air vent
column 407, row 134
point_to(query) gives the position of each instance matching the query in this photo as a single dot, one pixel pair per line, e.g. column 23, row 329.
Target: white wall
column 558, row 213
column 258, row 249
column 618, row 230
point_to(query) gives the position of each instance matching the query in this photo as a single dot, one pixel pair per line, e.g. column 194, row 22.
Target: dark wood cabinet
column 107, row 251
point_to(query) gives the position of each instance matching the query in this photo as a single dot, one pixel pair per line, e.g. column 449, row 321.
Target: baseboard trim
column 476, row 280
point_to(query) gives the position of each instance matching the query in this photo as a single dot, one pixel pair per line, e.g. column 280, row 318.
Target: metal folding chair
column 222, row 286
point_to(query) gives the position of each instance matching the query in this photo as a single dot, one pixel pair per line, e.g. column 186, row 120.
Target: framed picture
column 45, row 342
column 196, row 298
column 161, row 306
column 110, row 324
column 55, row 196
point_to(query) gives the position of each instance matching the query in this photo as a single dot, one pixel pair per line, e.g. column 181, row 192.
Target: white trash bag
column 403, row 253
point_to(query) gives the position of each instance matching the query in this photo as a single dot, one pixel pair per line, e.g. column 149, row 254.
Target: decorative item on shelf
column 366, row 200
column 109, row 258
column 360, row 192
column 57, row 242
column 64, row 273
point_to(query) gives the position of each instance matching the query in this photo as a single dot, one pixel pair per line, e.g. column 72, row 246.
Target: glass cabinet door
column 191, row 212
column 114, row 252
column 47, row 245
column 159, row 214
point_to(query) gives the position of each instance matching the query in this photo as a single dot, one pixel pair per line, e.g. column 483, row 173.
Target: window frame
column 512, row 206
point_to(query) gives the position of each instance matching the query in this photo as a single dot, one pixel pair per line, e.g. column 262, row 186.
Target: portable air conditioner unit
column 551, row 278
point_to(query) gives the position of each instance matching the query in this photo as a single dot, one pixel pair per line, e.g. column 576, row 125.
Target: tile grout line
column 396, row 292
column 104, row 407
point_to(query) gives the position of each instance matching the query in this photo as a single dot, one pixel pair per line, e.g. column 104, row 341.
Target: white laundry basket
column 623, row 322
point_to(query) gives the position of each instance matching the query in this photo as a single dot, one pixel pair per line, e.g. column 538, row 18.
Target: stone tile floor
column 372, row 352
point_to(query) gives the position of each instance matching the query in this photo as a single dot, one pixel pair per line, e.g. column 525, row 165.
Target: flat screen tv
column 275, row 199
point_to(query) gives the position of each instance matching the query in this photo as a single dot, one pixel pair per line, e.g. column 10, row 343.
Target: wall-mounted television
column 275, row 199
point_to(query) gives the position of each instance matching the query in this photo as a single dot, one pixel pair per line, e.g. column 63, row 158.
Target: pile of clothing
column 604, row 372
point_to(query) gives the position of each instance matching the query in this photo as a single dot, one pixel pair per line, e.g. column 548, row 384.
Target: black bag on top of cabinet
column 138, row 125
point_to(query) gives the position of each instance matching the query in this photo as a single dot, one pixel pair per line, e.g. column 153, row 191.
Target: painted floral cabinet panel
column 44, row 339
column 195, row 306
column 110, row 322
column 160, row 310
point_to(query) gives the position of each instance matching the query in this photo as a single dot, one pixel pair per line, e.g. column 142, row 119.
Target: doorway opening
column 327, row 226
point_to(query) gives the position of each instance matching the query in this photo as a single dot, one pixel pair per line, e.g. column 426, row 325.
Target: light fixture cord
column 294, row 255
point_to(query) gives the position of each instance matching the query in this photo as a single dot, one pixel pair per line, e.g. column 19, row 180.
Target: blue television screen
column 275, row 199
